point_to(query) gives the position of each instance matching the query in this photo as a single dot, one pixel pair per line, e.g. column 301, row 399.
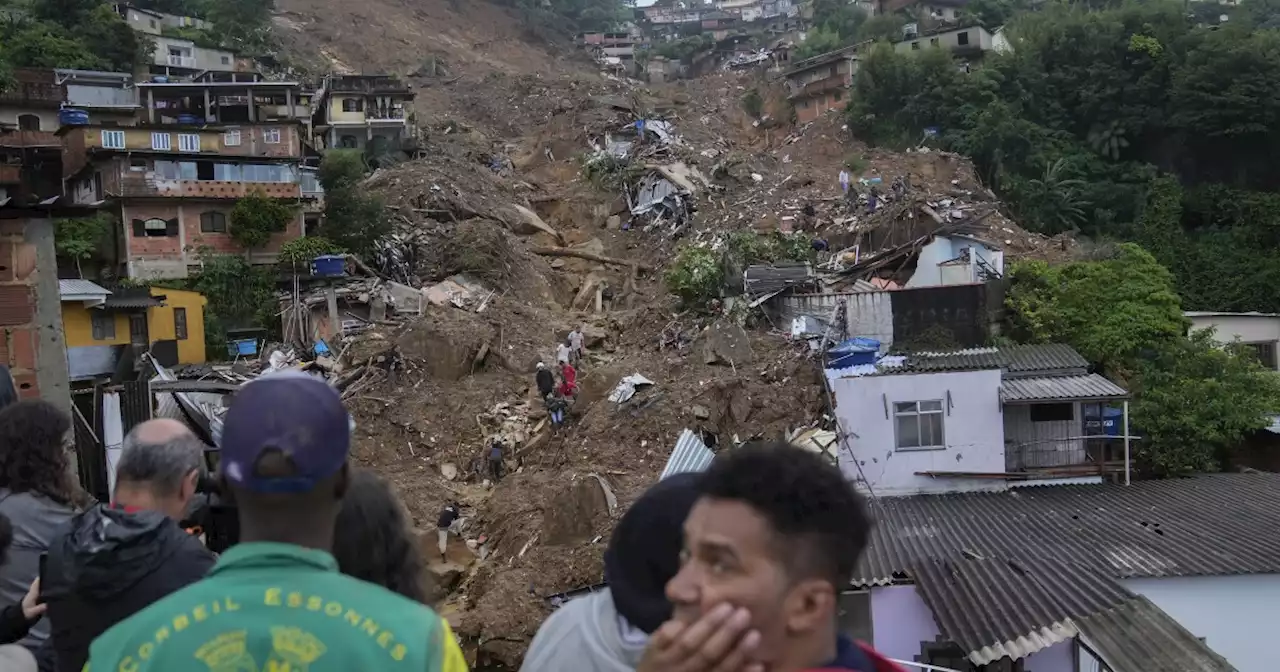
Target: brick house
column 821, row 83
column 174, row 179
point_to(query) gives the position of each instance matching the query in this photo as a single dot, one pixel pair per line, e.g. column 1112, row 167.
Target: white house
column 956, row 260
column 1260, row 331
column 972, row 40
column 1180, row 574
column 982, row 419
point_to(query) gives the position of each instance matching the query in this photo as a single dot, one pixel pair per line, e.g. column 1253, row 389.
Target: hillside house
column 176, row 57
column 368, row 112
column 102, row 325
column 821, row 83
column 970, row 42
column 1259, row 331
column 29, row 146
column 173, row 179
column 976, row 419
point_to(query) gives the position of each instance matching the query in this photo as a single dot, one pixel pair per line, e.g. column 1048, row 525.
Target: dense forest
column 1140, row 123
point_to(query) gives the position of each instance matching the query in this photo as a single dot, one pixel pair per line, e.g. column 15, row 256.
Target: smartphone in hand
column 44, row 557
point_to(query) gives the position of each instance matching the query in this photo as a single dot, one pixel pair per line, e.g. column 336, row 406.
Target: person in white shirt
column 576, row 345
column 562, row 353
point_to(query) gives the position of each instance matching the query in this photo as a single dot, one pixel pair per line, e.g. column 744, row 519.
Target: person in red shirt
column 568, row 380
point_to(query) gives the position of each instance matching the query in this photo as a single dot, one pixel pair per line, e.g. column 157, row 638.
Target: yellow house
column 99, row 323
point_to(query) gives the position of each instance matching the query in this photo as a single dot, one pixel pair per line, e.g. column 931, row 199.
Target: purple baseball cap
column 295, row 413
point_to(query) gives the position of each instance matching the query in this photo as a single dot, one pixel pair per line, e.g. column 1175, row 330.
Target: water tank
column 160, row 79
column 328, row 266
column 72, row 117
column 189, row 120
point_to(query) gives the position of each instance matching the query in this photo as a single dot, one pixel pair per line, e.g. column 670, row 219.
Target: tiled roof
column 1207, row 525
column 1050, row 388
column 1138, row 636
column 1046, row 357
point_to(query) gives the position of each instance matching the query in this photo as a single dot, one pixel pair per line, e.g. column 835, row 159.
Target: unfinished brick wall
column 30, row 316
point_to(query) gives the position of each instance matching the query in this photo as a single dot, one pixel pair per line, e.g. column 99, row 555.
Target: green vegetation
column 839, row 24
column 255, row 217
column 753, row 103
column 685, row 48
column 568, row 17
column 699, row 273
column 1130, row 123
column 353, row 218
column 82, row 238
column 1192, row 399
column 240, row 296
column 299, row 252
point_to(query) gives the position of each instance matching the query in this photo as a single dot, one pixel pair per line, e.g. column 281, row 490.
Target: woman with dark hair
column 372, row 540
column 37, row 495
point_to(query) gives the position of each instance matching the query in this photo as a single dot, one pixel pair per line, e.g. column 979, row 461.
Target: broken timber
column 566, row 252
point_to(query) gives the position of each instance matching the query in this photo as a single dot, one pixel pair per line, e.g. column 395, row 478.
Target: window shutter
column 171, row 227
column 139, row 228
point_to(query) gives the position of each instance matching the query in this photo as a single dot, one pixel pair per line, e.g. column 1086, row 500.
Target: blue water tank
column 188, row 120
column 328, row 266
column 72, row 117
column 160, row 79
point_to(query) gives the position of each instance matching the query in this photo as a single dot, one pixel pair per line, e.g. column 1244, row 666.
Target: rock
column 558, row 263
column 726, row 343
column 444, row 578
column 449, row 470
column 699, row 412
column 614, row 223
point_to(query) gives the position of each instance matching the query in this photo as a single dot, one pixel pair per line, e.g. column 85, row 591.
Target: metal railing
column 182, row 61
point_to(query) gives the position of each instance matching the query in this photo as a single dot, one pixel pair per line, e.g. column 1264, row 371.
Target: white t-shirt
column 562, row 353
column 575, row 340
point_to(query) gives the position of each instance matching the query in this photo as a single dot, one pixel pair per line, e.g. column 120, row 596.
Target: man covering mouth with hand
column 768, row 547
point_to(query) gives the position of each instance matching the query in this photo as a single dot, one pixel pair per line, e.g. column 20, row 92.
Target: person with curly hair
column 37, row 494
column 372, row 540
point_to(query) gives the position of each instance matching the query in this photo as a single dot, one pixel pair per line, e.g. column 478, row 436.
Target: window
column 1265, row 352
column 271, row 136
column 188, row 142
column 161, row 141
column 226, row 60
column 213, row 222
column 180, row 323
column 28, row 122
column 1053, row 412
column 350, row 142
column 231, row 138
column 962, row 38
column 804, row 104
column 153, row 24
column 138, row 165
column 155, row 228
column 918, row 425
column 167, row 170
column 113, row 139
column 104, row 325
column 915, row 46
column 352, row 105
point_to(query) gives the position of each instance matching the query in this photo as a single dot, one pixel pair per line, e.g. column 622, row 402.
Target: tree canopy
column 353, row 218
column 1130, row 122
column 1192, row 398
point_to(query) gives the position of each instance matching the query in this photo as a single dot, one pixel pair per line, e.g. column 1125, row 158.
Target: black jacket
column 546, row 382
column 14, row 624
column 107, row 567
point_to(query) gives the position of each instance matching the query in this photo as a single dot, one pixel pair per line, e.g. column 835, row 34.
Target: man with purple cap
column 276, row 600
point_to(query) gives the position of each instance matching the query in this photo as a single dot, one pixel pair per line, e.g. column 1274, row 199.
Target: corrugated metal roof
column 764, row 279
column 1048, row 388
column 1045, row 357
column 689, row 455
column 1138, row 636
column 81, row 288
column 1207, row 525
column 1015, row 361
column 132, row 302
column 997, row 607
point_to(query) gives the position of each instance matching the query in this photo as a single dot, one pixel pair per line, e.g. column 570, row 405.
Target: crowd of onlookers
column 735, row 569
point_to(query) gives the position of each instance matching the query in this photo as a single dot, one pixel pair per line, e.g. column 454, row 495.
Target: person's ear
column 810, row 605
column 343, row 481
column 189, row 485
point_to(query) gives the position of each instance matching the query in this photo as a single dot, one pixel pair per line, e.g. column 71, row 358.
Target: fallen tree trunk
column 566, row 252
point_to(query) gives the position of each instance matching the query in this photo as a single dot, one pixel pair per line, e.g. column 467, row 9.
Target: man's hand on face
column 720, row 641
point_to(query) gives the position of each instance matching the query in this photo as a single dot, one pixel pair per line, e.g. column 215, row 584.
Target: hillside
column 534, row 110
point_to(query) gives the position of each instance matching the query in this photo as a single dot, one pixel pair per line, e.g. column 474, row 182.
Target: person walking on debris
column 556, row 406
column 495, row 459
column 276, row 600
column 568, row 381
column 447, row 516
column 562, row 352
column 606, row 631
column 577, row 347
column 546, row 381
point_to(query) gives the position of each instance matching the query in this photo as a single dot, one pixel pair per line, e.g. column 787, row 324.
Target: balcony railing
column 391, row 114
column 182, row 61
column 1071, row 456
column 138, row 186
